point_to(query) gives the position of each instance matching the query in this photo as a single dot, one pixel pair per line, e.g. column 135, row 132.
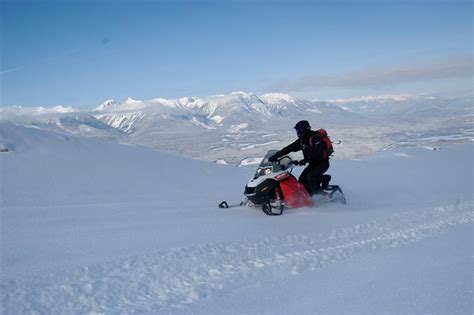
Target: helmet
column 301, row 127
column 302, row 124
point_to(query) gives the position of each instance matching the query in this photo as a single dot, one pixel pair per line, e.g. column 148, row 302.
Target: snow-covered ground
column 98, row 227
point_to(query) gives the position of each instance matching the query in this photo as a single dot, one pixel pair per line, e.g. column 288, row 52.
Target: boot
column 325, row 181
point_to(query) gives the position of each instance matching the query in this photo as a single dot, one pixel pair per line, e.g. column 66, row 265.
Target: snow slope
column 97, row 227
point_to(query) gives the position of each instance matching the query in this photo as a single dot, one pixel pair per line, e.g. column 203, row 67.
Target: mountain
column 106, row 105
column 406, row 106
column 239, row 127
column 233, row 127
column 64, row 120
column 215, row 111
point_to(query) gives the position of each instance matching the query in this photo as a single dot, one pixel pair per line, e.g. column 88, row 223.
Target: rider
column 313, row 153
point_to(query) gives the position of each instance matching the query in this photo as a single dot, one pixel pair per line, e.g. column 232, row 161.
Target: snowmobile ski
column 225, row 205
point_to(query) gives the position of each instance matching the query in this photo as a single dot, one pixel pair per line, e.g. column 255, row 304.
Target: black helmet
column 301, row 127
column 302, row 124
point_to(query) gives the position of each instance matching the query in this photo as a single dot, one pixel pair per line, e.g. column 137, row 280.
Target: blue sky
column 81, row 53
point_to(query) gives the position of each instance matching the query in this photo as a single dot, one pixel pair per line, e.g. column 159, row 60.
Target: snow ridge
column 122, row 121
column 173, row 279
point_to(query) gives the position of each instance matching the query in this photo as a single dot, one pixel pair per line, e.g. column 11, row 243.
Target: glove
column 273, row 159
column 300, row 163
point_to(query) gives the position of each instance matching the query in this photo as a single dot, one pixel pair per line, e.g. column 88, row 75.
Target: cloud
column 45, row 60
column 65, row 55
column 2, row 72
column 460, row 67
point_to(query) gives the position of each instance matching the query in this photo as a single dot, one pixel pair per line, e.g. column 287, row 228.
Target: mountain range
column 240, row 127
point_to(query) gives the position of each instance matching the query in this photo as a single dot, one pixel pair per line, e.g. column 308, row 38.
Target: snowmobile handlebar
column 292, row 162
column 288, row 164
column 298, row 163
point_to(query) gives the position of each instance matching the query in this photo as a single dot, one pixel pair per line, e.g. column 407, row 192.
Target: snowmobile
column 274, row 188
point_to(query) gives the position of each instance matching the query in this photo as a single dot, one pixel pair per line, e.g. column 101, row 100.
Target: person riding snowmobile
column 314, row 154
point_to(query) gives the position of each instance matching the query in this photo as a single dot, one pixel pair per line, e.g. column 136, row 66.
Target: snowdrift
column 97, row 227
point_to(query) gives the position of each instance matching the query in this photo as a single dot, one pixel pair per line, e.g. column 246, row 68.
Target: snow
column 365, row 125
column 251, row 161
column 377, row 98
column 253, row 146
column 165, row 102
column 239, row 127
column 124, row 121
column 317, row 111
column 107, row 105
column 217, row 119
column 8, row 113
column 98, row 227
column 199, row 123
column 277, row 98
column 402, row 154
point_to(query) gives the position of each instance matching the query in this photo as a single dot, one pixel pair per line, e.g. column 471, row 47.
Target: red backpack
column 323, row 136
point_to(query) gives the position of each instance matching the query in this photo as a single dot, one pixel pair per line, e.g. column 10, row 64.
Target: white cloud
column 459, row 67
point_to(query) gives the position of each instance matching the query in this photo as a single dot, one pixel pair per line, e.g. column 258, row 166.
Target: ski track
column 173, row 279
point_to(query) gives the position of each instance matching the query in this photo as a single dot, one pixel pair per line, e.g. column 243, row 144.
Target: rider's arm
column 292, row 147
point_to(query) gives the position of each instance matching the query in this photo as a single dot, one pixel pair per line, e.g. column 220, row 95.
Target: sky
column 81, row 53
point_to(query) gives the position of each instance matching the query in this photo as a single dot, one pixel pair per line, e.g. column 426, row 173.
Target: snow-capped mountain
column 240, row 127
column 405, row 106
column 106, row 105
column 215, row 111
column 20, row 113
column 58, row 119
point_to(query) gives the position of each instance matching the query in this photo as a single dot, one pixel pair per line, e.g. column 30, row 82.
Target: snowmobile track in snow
column 172, row 280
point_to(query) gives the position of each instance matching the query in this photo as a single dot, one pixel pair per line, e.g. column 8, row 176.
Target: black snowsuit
column 313, row 152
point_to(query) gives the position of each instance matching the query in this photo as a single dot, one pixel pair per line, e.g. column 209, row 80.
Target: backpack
column 323, row 136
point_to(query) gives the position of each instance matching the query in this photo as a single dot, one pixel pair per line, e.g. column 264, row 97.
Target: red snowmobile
column 274, row 188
